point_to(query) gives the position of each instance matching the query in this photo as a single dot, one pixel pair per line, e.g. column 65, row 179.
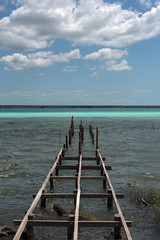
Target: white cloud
column 106, row 53
column 80, row 96
column 114, row 92
column 93, row 68
column 94, row 74
column 70, row 69
column 146, row 3
column 141, row 91
column 157, row 2
column 37, row 23
column 2, row 8
column 20, row 62
column 41, row 74
column 114, row 66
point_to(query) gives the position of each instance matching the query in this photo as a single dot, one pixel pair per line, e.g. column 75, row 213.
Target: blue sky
column 80, row 52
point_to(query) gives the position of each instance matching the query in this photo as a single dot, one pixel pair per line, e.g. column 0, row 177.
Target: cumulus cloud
column 37, row 23
column 80, row 96
column 106, row 53
column 19, row 61
column 141, row 91
column 146, row 3
column 2, row 8
column 114, row 66
column 70, row 69
column 94, row 74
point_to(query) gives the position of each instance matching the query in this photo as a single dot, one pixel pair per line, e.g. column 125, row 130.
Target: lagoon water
column 30, row 139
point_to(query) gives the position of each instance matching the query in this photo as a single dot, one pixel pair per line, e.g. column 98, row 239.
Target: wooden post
column 92, row 137
column 57, row 170
column 51, row 183
column 96, row 137
column 110, row 200
column 66, row 142
column 70, row 136
column 71, row 227
column 102, row 172
column 117, row 230
column 72, row 126
column 60, row 160
column 77, row 168
column 43, row 199
column 63, row 150
column 80, row 144
column 76, row 181
column 30, row 229
column 104, row 182
column 75, row 191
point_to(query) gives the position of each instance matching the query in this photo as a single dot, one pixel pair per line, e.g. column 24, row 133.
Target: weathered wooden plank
column 34, row 203
column 66, row 223
column 83, row 158
column 83, row 195
column 65, row 167
column 82, row 177
column 77, row 200
column 126, row 230
column 49, row 223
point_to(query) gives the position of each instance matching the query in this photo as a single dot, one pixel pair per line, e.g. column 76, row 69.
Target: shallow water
column 28, row 147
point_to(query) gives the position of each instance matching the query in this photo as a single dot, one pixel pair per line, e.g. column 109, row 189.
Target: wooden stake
column 70, row 136
column 104, row 182
column 96, row 137
column 66, row 142
column 60, row 160
column 70, row 228
column 43, row 200
column 51, row 183
column 80, row 148
column 75, row 191
column 57, row 170
column 117, row 230
column 76, row 181
column 29, row 228
column 110, row 200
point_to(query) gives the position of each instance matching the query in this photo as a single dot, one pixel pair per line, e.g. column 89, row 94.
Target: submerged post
column 96, row 137
column 43, row 199
column 70, row 136
column 110, row 199
column 117, row 230
column 66, row 142
column 104, row 182
column 70, row 228
column 51, row 183
column 29, row 228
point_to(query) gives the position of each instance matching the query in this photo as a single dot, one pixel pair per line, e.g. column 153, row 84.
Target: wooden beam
column 83, row 195
column 66, row 223
column 82, row 177
column 75, row 234
column 83, row 158
column 34, row 203
column 65, row 167
column 126, row 230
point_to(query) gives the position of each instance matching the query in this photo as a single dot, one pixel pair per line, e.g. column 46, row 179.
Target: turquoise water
column 81, row 112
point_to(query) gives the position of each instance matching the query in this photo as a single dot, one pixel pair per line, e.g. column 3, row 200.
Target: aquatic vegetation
column 149, row 197
column 8, row 166
column 34, row 150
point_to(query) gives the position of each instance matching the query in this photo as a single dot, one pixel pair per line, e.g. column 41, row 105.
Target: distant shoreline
column 79, row 106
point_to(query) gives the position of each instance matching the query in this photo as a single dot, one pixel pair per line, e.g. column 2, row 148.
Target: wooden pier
column 73, row 223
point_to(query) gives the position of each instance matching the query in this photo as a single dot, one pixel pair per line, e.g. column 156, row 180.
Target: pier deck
column 119, row 224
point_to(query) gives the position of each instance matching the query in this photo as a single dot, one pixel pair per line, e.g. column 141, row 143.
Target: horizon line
column 76, row 106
